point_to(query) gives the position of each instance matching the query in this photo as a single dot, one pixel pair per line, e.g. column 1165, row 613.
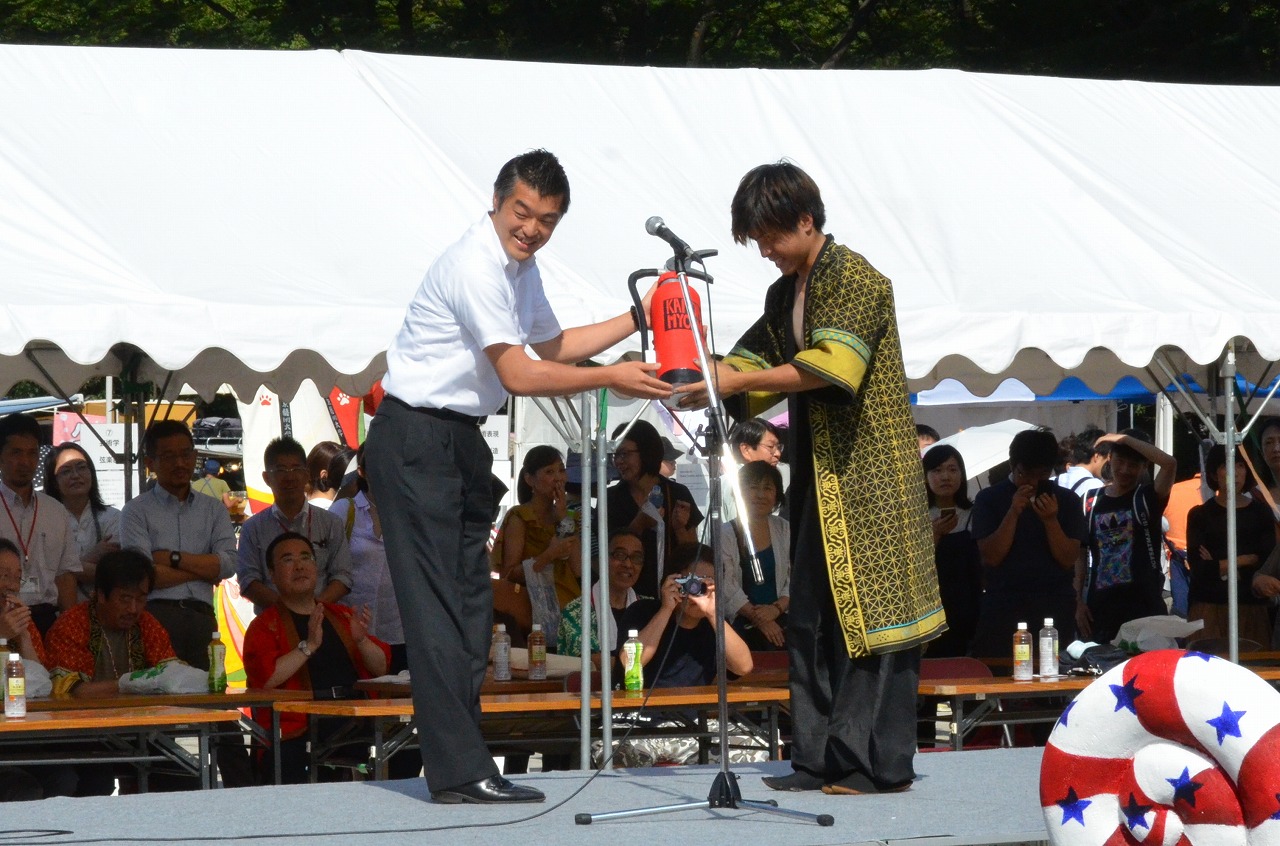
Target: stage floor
column 988, row 796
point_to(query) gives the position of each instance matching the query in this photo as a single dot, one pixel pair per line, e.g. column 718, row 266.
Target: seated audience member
column 286, row 474
column 1029, row 533
column 1207, row 553
column 370, row 574
column 955, row 553
column 686, row 622
column 758, row 611
column 756, row 439
column 1123, row 578
column 926, row 436
column 1085, row 459
column 71, row 478
column 16, row 626
column 626, row 557
column 302, row 643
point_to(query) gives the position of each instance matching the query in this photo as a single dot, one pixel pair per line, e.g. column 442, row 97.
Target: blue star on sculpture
column 1227, row 723
column 1191, row 653
column 1276, row 815
column 1184, row 788
column 1136, row 815
column 1073, row 807
column 1126, row 694
column 1065, row 711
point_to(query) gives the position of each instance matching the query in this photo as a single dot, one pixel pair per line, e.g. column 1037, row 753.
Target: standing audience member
column 756, row 439
column 1269, row 446
column 670, row 455
column 187, row 536
column 955, row 553
column 71, row 478
column 305, row 643
column 1124, row 580
column 1029, row 533
column 758, row 611
column 286, row 475
column 211, row 483
column 37, row 524
column 1207, row 553
column 370, row 573
column 327, row 466
column 1085, row 458
column 926, row 436
column 637, row 460
column 626, row 558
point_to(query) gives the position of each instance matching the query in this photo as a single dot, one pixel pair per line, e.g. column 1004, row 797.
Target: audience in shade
column 1085, row 458
column 926, row 436
column 37, row 524
column 1269, row 447
column 626, row 557
column 71, row 478
column 955, row 553
column 286, row 474
column 304, row 643
column 1207, row 553
column 756, row 439
column 758, row 611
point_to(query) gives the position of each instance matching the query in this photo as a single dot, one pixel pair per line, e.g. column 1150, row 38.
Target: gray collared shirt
column 42, row 531
column 326, row 532
column 200, row 524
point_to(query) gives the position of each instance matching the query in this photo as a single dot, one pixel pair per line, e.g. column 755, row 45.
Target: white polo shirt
column 473, row 296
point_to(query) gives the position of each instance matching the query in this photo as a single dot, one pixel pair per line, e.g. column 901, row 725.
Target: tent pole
column 602, row 523
column 584, row 511
column 1230, row 440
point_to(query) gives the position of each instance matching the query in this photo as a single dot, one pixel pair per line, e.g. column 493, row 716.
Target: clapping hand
column 315, row 628
column 360, row 622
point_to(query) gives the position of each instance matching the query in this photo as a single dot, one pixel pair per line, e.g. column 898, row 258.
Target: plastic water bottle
column 1048, row 650
column 217, row 664
column 501, row 654
column 537, row 653
column 1023, row 668
column 633, row 662
column 15, row 688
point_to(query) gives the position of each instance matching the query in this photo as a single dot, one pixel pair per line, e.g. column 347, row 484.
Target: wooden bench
column 393, row 727
column 137, row 735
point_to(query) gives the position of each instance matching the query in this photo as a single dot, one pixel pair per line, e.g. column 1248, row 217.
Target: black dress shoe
column 795, row 782
column 494, row 790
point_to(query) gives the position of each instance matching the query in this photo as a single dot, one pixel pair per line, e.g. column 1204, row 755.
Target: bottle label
column 633, row 666
column 1022, row 652
column 15, row 687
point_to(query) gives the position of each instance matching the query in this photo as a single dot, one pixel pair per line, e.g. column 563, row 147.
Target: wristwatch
column 175, row 558
column 304, row 648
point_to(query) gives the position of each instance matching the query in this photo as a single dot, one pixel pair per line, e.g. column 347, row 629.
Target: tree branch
column 857, row 23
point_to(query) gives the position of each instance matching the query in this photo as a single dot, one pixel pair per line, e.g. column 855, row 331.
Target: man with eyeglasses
column 188, row 537
column 287, row 476
column 37, row 524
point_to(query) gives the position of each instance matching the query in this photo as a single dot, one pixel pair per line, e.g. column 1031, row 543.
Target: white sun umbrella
column 983, row 447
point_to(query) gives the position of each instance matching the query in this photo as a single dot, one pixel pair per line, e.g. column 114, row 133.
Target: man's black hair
column 277, row 448
column 926, row 431
column 18, row 424
column 281, row 538
column 751, row 432
column 686, row 555
column 160, row 430
column 123, row 568
column 1034, row 449
column 1126, row 451
column 538, row 169
column 772, row 198
column 1079, row 447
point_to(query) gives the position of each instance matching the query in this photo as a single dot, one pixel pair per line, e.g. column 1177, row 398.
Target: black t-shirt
column 623, row 509
column 1207, row 526
column 692, row 660
column 330, row 666
column 1124, row 533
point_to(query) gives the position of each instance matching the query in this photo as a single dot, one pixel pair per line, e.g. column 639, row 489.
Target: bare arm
column 523, row 375
column 259, row 594
column 785, row 378
column 1166, row 465
column 334, row 591
column 191, row 567
column 582, row 342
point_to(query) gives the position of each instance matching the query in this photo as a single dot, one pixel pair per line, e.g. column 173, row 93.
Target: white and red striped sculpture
column 1170, row 747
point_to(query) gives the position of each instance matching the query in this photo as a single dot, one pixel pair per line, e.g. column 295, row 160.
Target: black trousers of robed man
column 850, row 717
column 432, row 482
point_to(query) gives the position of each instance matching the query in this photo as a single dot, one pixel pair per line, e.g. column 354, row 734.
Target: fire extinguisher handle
column 642, row 319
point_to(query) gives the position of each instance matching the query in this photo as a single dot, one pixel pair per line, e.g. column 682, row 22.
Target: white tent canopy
column 255, row 217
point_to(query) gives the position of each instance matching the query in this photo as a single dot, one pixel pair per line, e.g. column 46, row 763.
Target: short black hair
column 123, row 568
column 540, row 170
column 933, row 458
column 1125, row 451
column 1215, row 459
column 18, row 424
column 160, row 430
column 751, row 432
column 648, row 442
column 772, row 198
column 924, row 430
column 277, row 448
column 281, row 538
column 755, row 472
column 1079, row 446
column 624, row 531
column 1033, row 448
column 687, row 555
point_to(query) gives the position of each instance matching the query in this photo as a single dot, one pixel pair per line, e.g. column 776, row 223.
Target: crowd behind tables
column 1089, row 530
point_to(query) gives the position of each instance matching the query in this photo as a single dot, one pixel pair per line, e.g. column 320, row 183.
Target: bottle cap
column 1048, row 622
column 537, row 627
column 633, row 633
column 502, row 627
column 1022, row 627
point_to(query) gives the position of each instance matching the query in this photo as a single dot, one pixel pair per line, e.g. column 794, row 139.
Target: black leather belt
column 445, row 414
column 187, row 604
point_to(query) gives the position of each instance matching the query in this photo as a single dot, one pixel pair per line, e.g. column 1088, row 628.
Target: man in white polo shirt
column 459, row 354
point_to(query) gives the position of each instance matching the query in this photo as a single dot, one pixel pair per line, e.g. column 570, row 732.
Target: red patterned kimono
column 76, row 639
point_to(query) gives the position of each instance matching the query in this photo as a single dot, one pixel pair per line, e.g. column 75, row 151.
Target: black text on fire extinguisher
column 674, row 315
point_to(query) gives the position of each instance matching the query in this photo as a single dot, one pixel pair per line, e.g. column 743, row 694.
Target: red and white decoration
column 1170, row 747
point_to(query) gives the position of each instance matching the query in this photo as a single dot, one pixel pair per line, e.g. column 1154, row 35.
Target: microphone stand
column 724, row 792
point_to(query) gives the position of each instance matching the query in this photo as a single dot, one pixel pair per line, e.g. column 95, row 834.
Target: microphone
column 655, row 226
column 757, row 572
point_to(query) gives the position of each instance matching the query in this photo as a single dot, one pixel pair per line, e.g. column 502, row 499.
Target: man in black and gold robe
column 864, row 594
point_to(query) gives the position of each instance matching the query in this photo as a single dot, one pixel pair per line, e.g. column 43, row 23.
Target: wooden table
column 393, row 726
column 137, row 735
column 515, row 685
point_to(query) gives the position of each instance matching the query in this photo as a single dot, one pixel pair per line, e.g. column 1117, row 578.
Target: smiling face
column 769, row 449
column 549, row 481
column 287, row 477
column 525, row 220
column 10, row 575
column 293, row 569
column 75, row 475
column 626, row 460
column 626, row 560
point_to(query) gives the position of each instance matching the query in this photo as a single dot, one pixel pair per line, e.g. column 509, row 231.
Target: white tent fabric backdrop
column 263, row 217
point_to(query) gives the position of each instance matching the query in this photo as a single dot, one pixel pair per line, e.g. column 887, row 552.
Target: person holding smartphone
column 955, row 554
column 1029, row 533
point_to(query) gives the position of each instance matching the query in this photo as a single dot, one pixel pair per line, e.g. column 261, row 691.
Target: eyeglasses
column 74, row 468
column 620, row 555
column 176, row 457
column 624, row 454
column 289, row 471
column 775, row 447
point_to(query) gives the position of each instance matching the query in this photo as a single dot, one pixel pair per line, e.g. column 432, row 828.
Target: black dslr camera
column 692, row 585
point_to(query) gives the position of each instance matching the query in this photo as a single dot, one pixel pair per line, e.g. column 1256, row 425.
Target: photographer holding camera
column 684, row 617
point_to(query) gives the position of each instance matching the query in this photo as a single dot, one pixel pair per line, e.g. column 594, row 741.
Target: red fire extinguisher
column 674, row 346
